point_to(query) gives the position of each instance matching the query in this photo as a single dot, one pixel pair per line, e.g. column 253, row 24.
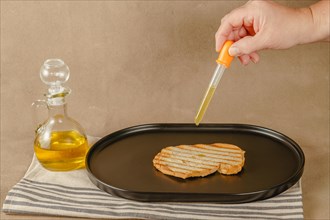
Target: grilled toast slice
column 199, row 160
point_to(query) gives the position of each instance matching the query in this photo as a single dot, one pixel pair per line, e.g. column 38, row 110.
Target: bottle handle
column 37, row 120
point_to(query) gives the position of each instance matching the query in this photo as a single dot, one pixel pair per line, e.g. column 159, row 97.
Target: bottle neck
column 55, row 110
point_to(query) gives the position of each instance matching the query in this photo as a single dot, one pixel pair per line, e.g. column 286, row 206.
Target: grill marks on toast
column 199, row 160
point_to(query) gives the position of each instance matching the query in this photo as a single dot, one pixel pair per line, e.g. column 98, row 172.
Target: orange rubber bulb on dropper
column 224, row 58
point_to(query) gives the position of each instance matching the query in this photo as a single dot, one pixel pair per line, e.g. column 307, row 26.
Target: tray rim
column 114, row 136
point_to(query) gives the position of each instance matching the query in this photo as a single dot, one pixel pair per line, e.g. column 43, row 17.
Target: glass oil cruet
column 60, row 142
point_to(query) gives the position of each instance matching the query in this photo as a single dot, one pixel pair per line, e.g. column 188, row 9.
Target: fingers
column 247, row 45
column 241, row 26
column 254, row 57
column 246, row 58
column 242, row 32
column 248, row 25
column 231, row 22
column 224, row 33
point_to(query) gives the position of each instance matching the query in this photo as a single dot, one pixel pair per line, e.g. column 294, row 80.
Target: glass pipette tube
column 209, row 92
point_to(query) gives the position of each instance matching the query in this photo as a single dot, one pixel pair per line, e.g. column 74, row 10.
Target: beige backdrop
column 144, row 62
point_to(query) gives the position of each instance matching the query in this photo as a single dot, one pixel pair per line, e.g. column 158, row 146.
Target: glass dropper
column 223, row 61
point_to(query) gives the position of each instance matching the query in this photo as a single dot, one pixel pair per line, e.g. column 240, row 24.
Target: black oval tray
column 121, row 163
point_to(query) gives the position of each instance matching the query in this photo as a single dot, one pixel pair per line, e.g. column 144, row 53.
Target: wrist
column 316, row 23
column 308, row 29
column 321, row 19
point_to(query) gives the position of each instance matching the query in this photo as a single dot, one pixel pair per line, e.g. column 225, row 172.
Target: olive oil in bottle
column 66, row 151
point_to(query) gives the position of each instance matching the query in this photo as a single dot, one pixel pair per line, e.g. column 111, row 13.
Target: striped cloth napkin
column 42, row 192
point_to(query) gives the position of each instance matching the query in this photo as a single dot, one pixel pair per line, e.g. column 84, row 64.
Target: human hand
column 261, row 25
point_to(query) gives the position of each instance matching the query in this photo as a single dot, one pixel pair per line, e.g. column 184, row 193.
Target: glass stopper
column 54, row 73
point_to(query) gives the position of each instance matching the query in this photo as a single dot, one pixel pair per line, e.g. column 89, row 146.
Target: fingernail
column 233, row 51
column 254, row 60
column 245, row 62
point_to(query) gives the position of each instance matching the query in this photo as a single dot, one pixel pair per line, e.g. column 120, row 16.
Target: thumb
column 246, row 45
